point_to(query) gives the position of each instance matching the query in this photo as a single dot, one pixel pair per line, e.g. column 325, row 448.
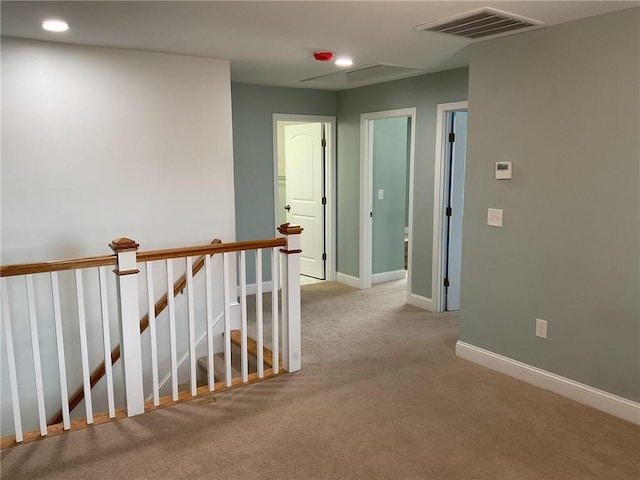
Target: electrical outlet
column 541, row 328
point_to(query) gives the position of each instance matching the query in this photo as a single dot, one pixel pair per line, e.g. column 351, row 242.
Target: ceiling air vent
column 480, row 23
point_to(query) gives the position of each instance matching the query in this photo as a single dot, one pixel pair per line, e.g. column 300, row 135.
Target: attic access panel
column 480, row 23
column 364, row 75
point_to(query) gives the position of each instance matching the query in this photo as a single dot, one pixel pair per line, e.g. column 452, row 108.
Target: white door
column 304, row 166
column 457, row 154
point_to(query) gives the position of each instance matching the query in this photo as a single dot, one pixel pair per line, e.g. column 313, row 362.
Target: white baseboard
column 421, row 302
column 348, row 280
column 593, row 397
column 388, row 276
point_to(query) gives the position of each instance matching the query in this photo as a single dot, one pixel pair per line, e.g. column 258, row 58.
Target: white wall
column 98, row 144
column 103, row 143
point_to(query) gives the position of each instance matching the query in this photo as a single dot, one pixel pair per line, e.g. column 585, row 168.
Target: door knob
column 287, row 208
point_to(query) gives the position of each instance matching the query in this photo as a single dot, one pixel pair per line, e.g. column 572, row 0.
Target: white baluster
column 11, row 363
column 62, row 368
column 208, row 288
column 35, row 348
column 227, row 319
column 106, row 340
column 275, row 317
column 285, row 313
column 153, row 334
column 192, row 327
column 84, row 351
column 243, row 319
column 172, row 330
column 259, row 319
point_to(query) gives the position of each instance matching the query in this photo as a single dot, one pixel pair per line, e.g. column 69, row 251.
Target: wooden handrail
column 108, row 260
column 159, row 307
column 56, row 265
column 154, row 255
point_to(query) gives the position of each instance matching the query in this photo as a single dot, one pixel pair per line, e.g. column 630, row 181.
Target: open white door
column 453, row 238
column 448, row 201
column 304, row 159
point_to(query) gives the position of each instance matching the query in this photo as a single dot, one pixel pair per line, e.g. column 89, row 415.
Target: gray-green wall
column 425, row 93
column 390, row 161
column 563, row 104
column 253, row 107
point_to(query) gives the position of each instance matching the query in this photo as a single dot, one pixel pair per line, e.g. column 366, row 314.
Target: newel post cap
column 288, row 229
column 123, row 245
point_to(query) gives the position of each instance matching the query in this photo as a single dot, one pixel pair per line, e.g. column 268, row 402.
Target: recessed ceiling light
column 344, row 62
column 55, row 25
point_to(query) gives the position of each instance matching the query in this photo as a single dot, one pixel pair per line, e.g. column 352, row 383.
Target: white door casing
column 305, row 192
column 279, row 120
column 366, row 191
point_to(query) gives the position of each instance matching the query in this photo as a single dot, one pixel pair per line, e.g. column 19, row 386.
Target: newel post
column 291, row 331
column 129, row 315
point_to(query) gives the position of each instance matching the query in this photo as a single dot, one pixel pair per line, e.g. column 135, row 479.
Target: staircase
column 236, row 355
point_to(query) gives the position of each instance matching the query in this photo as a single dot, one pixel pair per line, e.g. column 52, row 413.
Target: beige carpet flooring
column 381, row 396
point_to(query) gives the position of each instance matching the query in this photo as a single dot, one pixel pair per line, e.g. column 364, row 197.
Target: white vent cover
column 480, row 23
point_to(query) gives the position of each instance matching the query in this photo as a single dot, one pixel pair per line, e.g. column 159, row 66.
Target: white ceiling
column 272, row 42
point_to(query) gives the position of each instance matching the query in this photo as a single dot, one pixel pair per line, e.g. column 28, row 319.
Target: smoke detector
column 480, row 23
column 324, row 56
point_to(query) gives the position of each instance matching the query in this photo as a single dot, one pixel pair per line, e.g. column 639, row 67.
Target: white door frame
column 439, row 190
column 330, row 179
column 366, row 190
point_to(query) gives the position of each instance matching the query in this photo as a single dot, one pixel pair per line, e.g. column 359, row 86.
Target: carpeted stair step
column 252, row 347
column 236, row 356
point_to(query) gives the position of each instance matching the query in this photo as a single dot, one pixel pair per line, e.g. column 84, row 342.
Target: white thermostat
column 503, row 170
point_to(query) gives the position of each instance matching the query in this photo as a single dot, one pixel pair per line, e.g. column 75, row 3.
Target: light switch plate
column 494, row 217
column 381, row 194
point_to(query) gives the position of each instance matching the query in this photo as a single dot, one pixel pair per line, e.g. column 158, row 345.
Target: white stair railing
column 40, row 308
column 22, row 310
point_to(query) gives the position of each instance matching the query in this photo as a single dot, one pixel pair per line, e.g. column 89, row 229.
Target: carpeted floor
column 381, row 396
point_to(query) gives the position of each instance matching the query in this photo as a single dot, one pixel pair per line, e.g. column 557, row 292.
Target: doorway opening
column 304, row 188
column 451, row 145
column 386, row 196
